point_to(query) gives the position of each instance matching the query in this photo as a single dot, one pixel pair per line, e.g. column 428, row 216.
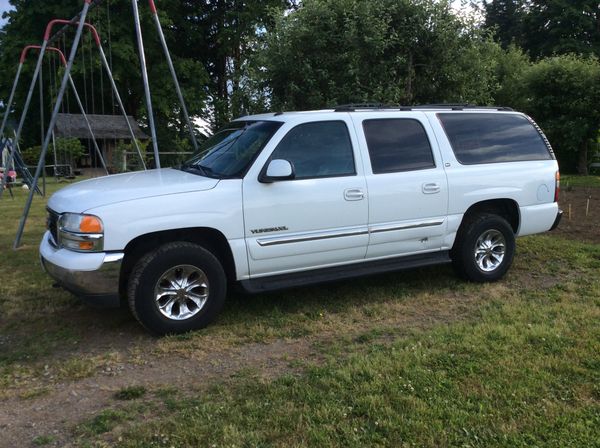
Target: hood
column 93, row 193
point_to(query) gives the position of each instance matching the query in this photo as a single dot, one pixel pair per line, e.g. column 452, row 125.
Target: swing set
column 59, row 90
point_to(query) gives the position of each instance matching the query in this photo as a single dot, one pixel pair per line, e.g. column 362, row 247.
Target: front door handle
column 431, row 188
column 354, row 194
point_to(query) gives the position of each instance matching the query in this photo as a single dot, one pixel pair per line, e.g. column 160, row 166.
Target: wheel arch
column 209, row 238
column 506, row 208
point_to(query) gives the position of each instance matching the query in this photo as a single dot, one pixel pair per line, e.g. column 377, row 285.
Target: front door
column 317, row 219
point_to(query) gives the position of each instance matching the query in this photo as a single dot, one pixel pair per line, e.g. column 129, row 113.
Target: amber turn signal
column 90, row 224
column 86, row 245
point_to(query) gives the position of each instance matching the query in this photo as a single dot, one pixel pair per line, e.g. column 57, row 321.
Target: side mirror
column 277, row 170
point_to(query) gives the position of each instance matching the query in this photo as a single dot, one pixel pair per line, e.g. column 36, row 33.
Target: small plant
column 43, row 440
column 103, row 422
column 130, row 393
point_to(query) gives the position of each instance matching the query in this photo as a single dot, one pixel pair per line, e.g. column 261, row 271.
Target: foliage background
column 236, row 57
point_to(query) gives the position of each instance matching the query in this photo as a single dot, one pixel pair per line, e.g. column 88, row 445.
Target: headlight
column 83, row 233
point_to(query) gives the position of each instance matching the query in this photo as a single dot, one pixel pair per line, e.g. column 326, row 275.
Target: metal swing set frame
column 79, row 21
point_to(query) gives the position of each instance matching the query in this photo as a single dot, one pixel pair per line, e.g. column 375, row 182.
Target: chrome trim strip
column 78, row 236
column 393, row 227
column 311, row 236
column 315, row 236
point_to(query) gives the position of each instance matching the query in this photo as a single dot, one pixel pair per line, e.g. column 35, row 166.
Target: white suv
column 288, row 199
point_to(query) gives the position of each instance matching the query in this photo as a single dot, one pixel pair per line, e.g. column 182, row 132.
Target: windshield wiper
column 194, row 169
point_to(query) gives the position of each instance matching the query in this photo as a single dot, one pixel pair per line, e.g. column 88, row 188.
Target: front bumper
column 92, row 276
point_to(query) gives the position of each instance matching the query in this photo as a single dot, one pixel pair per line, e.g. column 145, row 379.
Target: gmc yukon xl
column 287, row 199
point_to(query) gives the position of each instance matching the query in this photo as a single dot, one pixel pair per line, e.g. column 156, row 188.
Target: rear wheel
column 178, row 288
column 484, row 248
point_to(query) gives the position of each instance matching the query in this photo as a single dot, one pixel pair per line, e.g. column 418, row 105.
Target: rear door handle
column 431, row 188
column 354, row 194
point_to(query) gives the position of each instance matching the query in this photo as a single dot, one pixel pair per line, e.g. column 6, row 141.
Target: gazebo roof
column 103, row 126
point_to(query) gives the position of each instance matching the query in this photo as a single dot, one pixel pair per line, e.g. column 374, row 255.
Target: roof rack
column 461, row 106
column 374, row 106
column 446, row 106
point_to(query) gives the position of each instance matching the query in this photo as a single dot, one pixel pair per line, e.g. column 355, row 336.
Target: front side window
column 319, row 149
column 493, row 137
column 397, row 144
column 230, row 151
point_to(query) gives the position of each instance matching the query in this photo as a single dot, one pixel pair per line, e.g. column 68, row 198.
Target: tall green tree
column 506, row 19
column 546, row 27
column 404, row 51
column 564, row 97
column 561, row 27
column 226, row 35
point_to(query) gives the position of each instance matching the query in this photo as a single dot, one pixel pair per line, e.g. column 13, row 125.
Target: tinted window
column 320, row 149
column 397, row 145
column 492, row 138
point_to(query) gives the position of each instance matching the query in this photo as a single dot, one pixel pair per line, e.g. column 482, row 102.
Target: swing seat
column 12, row 176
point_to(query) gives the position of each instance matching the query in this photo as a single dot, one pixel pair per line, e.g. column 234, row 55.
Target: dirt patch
column 581, row 219
column 67, row 404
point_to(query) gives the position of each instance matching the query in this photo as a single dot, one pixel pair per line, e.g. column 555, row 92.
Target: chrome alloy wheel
column 181, row 292
column 490, row 250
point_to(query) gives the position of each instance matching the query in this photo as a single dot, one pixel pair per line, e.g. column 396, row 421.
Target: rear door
column 408, row 189
column 319, row 218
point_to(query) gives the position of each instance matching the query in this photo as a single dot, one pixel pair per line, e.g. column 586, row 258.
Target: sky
column 4, row 6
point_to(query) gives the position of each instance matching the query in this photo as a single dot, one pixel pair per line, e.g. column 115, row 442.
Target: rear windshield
column 492, row 138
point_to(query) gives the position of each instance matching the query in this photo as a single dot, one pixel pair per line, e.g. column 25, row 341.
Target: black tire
column 153, row 266
column 463, row 253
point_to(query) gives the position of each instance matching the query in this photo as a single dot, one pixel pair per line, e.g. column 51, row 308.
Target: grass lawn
column 417, row 358
column 569, row 180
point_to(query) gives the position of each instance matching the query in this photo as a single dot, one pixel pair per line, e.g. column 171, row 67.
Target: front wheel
column 484, row 248
column 177, row 288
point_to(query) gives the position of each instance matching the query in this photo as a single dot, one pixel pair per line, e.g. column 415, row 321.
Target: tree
column 226, row 36
column 546, row 27
column 506, row 19
column 561, row 27
column 511, row 66
column 330, row 52
column 564, row 97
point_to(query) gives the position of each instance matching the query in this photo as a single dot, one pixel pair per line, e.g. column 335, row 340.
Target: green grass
column 567, row 181
column 525, row 371
column 131, row 393
column 44, row 440
column 417, row 358
column 104, row 422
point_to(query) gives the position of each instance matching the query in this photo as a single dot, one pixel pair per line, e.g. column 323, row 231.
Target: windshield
column 230, row 151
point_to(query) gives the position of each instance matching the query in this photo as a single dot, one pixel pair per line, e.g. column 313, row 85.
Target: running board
column 314, row 276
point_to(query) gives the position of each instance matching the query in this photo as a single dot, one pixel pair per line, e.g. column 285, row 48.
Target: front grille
column 52, row 224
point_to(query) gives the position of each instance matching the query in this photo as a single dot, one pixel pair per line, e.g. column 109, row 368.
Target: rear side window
column 397, row 145
column 493, row 138
column 319, row 149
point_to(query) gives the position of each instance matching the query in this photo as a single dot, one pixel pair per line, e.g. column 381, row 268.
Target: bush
column 68, row 150
column 563, row 95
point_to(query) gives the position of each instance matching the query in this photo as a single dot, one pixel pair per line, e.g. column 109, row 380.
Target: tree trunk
column 408, row 91
column 582, row 160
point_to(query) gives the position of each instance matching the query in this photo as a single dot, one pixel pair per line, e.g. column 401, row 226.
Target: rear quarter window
column 493, row 138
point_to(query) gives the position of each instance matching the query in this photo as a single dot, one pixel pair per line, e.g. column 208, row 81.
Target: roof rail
column 461, row 106
column 449, row 106
column 374, row 106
